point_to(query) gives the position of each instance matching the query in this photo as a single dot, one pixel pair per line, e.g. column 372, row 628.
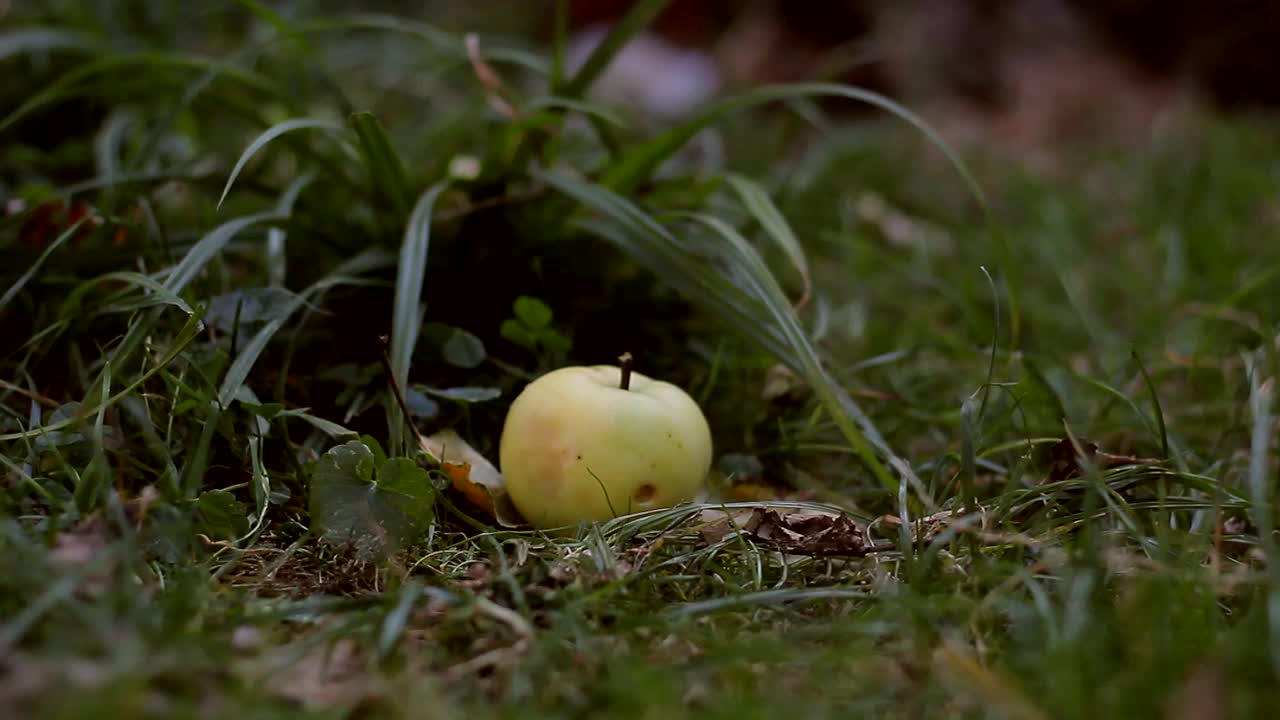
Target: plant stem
column 625, row 361
column 395, row 390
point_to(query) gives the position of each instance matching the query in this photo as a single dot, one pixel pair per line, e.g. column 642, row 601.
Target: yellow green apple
column 591, row 443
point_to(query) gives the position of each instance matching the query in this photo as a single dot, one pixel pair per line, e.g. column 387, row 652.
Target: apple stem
column 625, row 361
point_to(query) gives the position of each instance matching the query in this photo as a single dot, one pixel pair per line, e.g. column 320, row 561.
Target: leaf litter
column 473, row 476
column 818, row 533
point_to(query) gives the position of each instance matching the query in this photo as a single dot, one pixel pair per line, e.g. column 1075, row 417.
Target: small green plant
column 374, row 504
column 530, row 328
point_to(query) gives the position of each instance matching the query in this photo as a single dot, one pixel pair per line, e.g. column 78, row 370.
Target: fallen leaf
column 926, row 528
column 473, row 476
column 1064, row 463
column 781, row 382
column 793, row 532
column 719, row 524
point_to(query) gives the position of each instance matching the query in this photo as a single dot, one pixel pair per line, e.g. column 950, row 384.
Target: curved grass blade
column 75, row 82
column 439, row 41
column 189, row 332
column 161, row 294
column 212, row 244
column 763, row 314
column 238, row 373
column 756, row 200
column 838, row 403
column 639, row 164
column 1156, row 410
column 35, row 266
column 194, row 262
column 266, row 137
column 582, row 107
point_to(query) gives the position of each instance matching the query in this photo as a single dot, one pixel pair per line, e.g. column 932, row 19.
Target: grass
column 256, row 199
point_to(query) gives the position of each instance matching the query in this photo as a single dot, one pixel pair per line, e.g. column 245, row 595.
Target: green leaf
column 532, row 312
column 221, row 515
column 517, row 333
column 379, row 455
column 376, row 514
column 463, row 394
column 420, row 406
column 464, row 350
column 553, row 341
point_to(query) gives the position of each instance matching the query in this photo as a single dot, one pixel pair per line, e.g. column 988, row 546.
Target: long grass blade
column 641, row 14
column 386, row 172
column 756, row 200
column 406, row 318
column 763, row 314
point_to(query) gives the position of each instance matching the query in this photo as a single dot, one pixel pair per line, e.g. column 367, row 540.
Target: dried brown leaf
column 473, row 476
column 793, row 532
column 1064, row 462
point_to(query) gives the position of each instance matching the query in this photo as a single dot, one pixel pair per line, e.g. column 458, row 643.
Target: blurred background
column 1023, row 73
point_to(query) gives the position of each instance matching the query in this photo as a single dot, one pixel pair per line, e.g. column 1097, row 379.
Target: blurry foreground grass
column 207, row 231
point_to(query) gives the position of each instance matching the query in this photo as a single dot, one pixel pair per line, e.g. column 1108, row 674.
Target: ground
column 994, row 437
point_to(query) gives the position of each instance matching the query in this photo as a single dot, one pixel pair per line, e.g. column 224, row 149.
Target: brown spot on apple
column 645, row 494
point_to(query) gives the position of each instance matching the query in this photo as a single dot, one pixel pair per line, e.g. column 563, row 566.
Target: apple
column 592, row 443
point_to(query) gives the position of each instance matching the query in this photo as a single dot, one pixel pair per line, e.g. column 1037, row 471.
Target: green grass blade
column 639, row 164
column 406, row 318
column 386, row 172
column 764, row 314
column 559, row 43
column 181, row 340
column 87, row 80
column 43, row 40
column 265, row 139
column 853, row 423
column 22, row 281
column 1156, row 411
column 211, row 245
column 582, row 107
column 641, row 14
column 756, row 200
